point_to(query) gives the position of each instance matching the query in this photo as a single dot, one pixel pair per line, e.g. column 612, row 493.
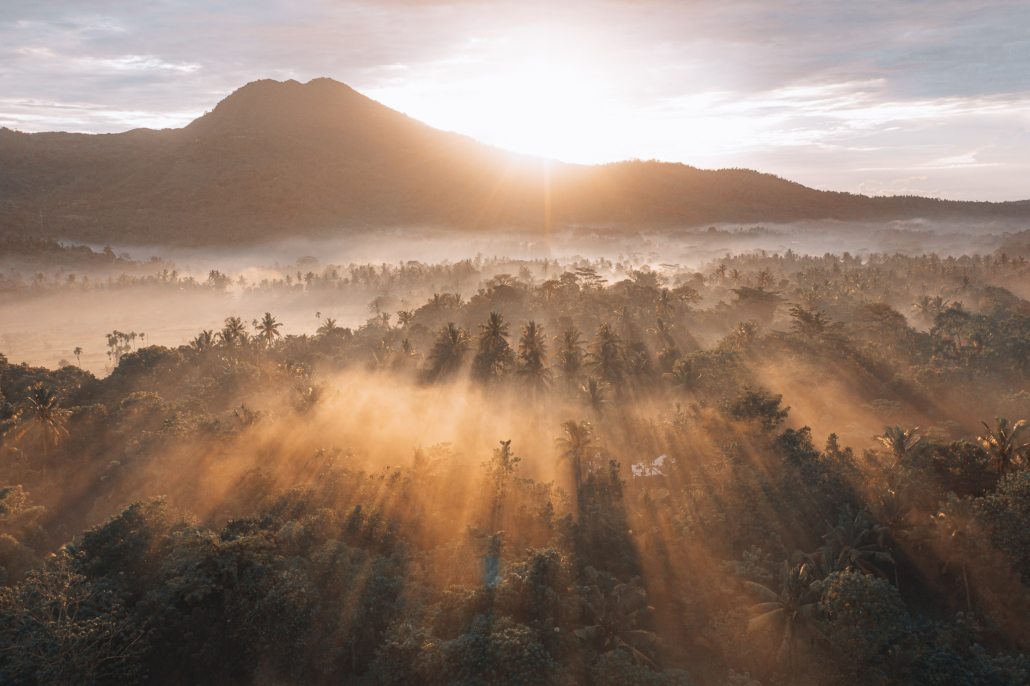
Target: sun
column 556, row 103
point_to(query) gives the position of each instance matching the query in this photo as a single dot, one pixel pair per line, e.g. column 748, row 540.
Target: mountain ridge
column 279, row 159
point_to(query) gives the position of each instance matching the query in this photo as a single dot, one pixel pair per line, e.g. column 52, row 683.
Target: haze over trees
column 773, row 468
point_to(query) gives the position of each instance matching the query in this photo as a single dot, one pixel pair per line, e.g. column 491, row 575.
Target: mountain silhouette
column 280, row 159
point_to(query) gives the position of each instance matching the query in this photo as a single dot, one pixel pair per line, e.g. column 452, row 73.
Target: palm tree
column 405, row 318
column 790, row 614
column 494, row 333
column 899, row 442
column 570, row 354
column 662, row 333
column 382, row 353
column 665, row 304
column 328, row 327
column 203, row 341
column 246, row 416
column 408, row 351
column 532, row 358
column 854, row 544
column 928, row 308
column 1003, row 443
column 43, row 416
column 267, row 329
column 449, row 351
column 494, row 356
column 575, row 448
column 682, row 377
column 606, row 354
column 892, row 514
column 424, row 464
column 611, row 610
column 745, row 333
column 233, row 333
column 627, row 324
column 955, row 525
column 78, row 355
column 309, row 397
column 593, row 394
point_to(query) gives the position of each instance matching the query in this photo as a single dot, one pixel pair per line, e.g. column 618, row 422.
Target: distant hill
column 285, row 159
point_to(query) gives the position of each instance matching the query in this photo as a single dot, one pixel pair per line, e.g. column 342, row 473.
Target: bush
column 615, row 668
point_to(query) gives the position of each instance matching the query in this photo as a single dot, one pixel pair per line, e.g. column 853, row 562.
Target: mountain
column 277, row 159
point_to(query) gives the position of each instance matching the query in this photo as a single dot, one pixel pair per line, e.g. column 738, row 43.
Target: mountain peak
column 283, row 158
column 288, row 107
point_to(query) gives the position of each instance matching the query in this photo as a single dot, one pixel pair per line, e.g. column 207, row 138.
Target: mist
column 410, row 428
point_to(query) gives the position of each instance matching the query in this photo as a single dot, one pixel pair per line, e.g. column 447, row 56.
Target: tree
column 574, row 448
column 682, row 378
column 448, row 354
column 958, row 535
column 60, row 628
column 494, row 358
column 42, row 416
column 757, row 406
column 233, row 333
column 1004, row 443
column 606, row 354
column 756, row 303
column 864, row 617
column 884, row 317
column 426, row 462
column 532, row 359
column 570, row 354
column 661, row 332
column 808, row 323
column 328, row 327
column 78, row 355
column 892, row 514
column 594, row 395
column 1005, row 514
column 267, row 330
column 500, row 470
column 789, row 615
column 746, row 333
column 611, row 612
column 899, row 442
column 952, row 321
column 203, row 341
column 405, row 318
column 928, row 308
column 853, row 544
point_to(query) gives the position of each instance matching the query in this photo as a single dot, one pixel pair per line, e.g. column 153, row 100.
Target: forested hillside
column 275, row 160
column 774, row 469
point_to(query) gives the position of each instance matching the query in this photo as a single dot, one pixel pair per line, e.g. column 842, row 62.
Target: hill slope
column 277, row 159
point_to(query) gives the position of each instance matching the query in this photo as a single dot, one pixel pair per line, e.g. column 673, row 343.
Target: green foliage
column 323, row 550
column 616, row 668
column 1006, row 515
column 757, row 406
column 57, row 627
column 865, row 617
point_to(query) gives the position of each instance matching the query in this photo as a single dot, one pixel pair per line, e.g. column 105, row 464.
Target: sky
column 876, row 97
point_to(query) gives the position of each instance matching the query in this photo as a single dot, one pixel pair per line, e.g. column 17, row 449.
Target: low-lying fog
column 43, row 324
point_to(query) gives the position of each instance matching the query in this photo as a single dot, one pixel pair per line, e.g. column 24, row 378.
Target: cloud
column 817, row 91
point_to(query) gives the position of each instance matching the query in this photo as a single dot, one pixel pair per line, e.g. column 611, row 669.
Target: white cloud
column 820, row 92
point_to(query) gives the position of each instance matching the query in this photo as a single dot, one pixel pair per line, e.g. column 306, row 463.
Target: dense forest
column 278, row 159
column 777, row 468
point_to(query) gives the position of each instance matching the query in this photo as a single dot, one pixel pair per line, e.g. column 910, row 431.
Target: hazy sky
column 875, row 97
